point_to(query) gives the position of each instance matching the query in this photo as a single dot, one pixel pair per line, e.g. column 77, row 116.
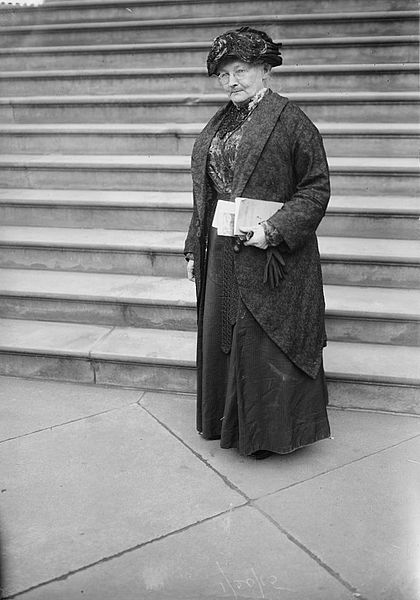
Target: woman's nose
column 232, row 79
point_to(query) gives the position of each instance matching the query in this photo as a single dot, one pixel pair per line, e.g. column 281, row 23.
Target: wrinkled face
column 241, row 80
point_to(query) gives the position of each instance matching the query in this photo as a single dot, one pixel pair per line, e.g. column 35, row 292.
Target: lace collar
column 236, row 115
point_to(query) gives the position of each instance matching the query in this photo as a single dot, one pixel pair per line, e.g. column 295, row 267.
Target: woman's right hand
column 190, row 270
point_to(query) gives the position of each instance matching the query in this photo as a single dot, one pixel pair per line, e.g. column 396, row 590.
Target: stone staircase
column 99, row 105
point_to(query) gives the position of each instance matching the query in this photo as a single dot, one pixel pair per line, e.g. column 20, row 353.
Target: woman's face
column 241, row 80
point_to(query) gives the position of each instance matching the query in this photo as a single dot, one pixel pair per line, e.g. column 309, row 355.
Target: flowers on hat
column 247, row 44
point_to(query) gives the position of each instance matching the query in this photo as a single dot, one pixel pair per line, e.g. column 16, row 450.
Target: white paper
column 224, row 218
column 249, row 212
column 230, row 217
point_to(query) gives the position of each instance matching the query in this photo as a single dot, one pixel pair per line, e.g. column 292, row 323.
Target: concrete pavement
column 110, row 493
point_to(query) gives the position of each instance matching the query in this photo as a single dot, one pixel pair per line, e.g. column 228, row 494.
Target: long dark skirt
column 254, row 397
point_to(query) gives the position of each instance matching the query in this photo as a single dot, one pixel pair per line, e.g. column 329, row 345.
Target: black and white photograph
column 209, row 300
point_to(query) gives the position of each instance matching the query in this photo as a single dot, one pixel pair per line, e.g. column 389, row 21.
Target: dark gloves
column 275, row 267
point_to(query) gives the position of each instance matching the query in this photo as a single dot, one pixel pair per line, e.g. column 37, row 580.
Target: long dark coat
column 280, row 158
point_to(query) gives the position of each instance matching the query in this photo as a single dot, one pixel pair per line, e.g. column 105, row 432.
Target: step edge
column 192, row 129
column 71, row 4
column 94, row 299
column 330, row 257
column 207, row 21
column 397, row 212
column 96, row 355
column 342, row 313
column 201, row 98
column 21, row 163
column 185, row 71
column 191, row 45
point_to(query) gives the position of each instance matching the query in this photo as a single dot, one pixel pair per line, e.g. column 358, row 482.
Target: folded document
column 245, row 213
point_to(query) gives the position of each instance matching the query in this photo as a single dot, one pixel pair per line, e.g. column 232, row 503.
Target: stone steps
column 345, row 260
column 165, row 360
column 93, row 283
column 286, row 79
column 102, row 209
column 341, row 139
column 369, row 49
column 359, row 106
column 359, row 216
column 354, row 314
column 364, row 175
column 110, row 10
column 343, row 24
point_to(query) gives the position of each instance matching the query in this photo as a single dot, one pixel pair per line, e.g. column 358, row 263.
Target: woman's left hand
column 258, row 238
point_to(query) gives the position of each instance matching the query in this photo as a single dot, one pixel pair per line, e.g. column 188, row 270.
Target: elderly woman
column 261, row 385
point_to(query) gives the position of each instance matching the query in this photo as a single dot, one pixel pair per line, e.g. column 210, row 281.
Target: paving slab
column 28, row 406
column 237, row 555
column 355, row 435
column 364, row 521
column 77, row 494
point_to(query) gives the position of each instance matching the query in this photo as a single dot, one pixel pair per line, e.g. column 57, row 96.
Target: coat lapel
column 254, row 139
column 199, row 159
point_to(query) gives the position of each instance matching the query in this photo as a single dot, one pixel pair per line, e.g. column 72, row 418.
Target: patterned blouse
column 223, row 151
column 224, row 146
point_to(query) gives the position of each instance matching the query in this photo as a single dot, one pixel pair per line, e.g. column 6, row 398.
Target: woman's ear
column 266, row 71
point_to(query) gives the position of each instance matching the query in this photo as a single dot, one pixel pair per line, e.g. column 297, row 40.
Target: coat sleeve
column 191, row 239
column 194, row 229
column 300, row 216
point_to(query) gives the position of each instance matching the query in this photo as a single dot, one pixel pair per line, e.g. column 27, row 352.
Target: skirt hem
column 288, row 450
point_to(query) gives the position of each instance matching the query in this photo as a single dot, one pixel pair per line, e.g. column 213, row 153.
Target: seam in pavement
column 311, row 554
column 237, row 489
column 299, row 544
column 225, row 480
column 337, row 468
column 106, row 559
column 250, row 502
column 50, row 427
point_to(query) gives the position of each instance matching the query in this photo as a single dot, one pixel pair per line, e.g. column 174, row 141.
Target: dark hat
column 247, row 44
